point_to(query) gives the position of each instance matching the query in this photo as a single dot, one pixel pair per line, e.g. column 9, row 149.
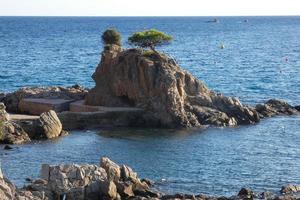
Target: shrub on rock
column 149, row 39
column 111, row 36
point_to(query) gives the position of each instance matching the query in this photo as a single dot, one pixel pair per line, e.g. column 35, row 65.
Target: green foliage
column 111, row 36
column 148, row 53
column 149, row 39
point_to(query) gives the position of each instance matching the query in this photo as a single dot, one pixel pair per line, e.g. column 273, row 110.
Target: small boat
column 215, row 20
column 222, row 46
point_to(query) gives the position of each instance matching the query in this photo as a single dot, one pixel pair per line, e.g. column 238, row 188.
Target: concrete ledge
column 36, row 106
column 100, row 119
column 79, row 106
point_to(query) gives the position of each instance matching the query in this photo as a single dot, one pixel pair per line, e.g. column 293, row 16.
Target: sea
column 252, row 58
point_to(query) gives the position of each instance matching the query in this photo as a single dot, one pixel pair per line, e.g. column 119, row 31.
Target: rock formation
column 170, row 96
column 7, row 189
column 110, row 181
column 47, row 126
column 12, row 100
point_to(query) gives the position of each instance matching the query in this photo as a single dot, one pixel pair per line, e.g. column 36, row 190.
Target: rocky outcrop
column 290, row 189
column 47, row 126
column 87, row 182
column 275, row 107
column 13, row 99
column 13, row 133
column 170, row 96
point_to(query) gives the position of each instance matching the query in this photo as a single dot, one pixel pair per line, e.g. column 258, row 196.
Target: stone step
column 36, row 106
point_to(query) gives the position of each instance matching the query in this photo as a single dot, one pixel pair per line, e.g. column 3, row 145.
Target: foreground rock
column 12, row 100
column 170, row 96
column 7, row 189
column 110, row 181
column 87, row 182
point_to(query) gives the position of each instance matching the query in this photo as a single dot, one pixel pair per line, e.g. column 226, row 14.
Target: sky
column 148, row 7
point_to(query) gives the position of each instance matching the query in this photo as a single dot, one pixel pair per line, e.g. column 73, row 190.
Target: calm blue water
column 261, row 60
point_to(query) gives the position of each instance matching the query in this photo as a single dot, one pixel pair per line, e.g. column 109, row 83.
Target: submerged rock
column 170, row 96
column 275, row 107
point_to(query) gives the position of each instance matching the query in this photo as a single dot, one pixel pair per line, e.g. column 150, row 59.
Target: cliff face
column 170, row 96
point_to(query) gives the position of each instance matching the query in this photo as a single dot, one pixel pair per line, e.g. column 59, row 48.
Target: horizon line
column 132, row 16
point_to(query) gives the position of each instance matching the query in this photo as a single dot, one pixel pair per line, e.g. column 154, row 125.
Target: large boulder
column 49, row 125
column 170, row 96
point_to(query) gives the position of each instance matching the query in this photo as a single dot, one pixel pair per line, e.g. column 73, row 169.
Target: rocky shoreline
column 112, row 182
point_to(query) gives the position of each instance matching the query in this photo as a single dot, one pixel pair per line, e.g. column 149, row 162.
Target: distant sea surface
column 261, row 60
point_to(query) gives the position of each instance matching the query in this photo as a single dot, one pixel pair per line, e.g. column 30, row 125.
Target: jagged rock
column 112, row 169
column 13, row 133
column 13, row 99
column 275, row 107
column 289, row 189
column 4, row 117
column 7, row 189
column 170, row 96
column 246, row 193
column 108, row 189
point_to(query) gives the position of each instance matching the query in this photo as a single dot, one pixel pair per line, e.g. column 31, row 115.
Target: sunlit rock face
column 170, row 96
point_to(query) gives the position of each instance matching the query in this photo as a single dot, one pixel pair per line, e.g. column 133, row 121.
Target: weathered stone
column 37, row 106
column 7, row 189
column 13, row 99
column 12, row 133
column 108, row 189
column 168, row 94
column 246, row 193
column 127, row 174
column 275, row 107
column 289, row 189
column 49, row 125
column 125, row 189
column 112, row 169
column 4, row 117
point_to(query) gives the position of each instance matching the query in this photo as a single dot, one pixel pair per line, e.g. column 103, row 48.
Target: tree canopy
column 111, row 36
column 149, row 39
